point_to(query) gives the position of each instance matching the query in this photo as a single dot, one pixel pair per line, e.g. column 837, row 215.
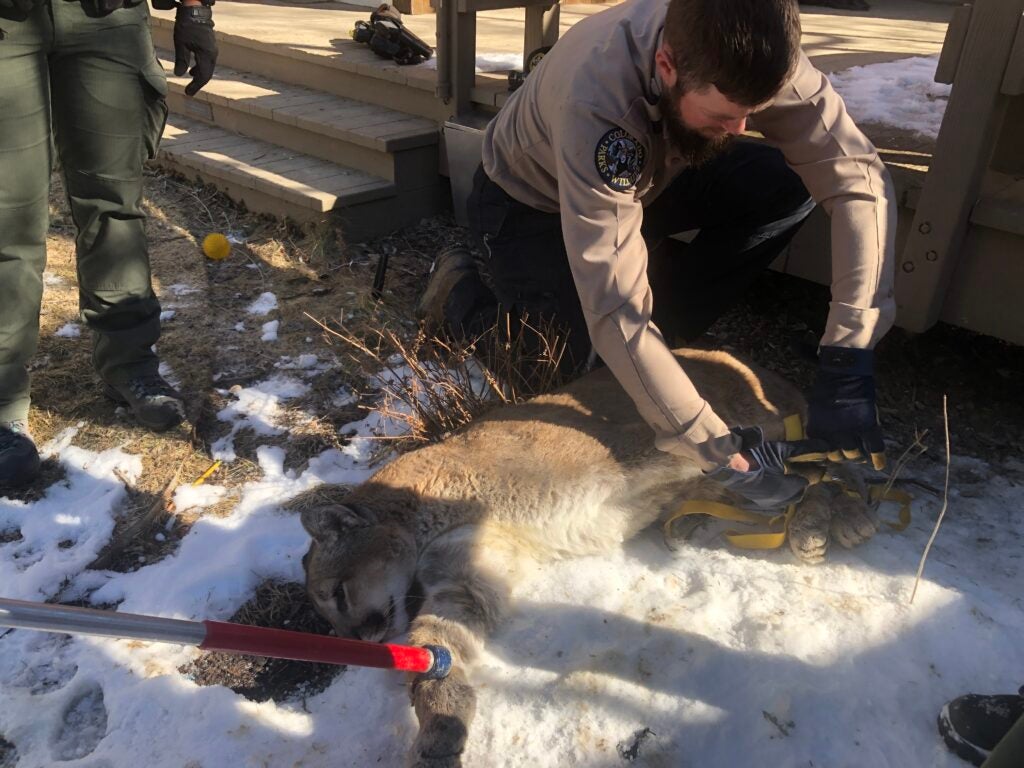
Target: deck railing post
column 962, row 155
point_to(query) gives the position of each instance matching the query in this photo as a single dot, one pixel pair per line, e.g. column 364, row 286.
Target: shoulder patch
column 620, row 159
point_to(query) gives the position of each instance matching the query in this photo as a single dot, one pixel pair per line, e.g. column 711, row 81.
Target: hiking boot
column 19, row 459
column 453, row 288
column 155, row 403
column 972, row 725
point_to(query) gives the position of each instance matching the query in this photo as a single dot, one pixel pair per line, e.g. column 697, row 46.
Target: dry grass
column 433, row 386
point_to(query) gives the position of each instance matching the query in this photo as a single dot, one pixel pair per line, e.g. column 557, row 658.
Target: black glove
column 193, row 36
column 773, row 483
column 842, row 406
column 17, row 10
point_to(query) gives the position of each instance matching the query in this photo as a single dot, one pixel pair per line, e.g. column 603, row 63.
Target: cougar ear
column 327, row 523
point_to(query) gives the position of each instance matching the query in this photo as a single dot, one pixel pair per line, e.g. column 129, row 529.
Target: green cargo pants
column 1009, row 753
column 91, row 89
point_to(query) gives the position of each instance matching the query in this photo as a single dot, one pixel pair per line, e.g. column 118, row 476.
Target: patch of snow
column 69, row 331
column 65, row 530
column 264, row 304
column 167, row 314
column 181, row 289
column 198, row 496
column 239, row 326
column 270, row 331
column 169, row 375
column 49, row 278
column 898, row 93
column 487, row 62
column 309, row 365
column 343, row 397
column 256, row 408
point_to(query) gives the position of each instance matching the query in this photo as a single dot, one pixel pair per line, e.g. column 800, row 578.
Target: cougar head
column 359, row 572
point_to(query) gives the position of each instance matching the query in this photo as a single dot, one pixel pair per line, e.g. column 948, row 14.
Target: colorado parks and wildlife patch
column 620, row 159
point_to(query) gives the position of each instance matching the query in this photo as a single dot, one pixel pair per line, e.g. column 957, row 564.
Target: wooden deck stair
column 297, row 152
column 256, row 172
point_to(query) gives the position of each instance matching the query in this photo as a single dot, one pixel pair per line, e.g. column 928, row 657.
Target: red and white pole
column 225, row 637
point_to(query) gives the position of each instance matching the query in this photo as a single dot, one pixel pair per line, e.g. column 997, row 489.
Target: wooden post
column 962, row 155
column 457, row 55
column 541, row 28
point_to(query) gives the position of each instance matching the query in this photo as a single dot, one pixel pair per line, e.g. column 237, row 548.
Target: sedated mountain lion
column 565, row 474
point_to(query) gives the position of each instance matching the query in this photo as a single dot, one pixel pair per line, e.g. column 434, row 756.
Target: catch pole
column 225, row 637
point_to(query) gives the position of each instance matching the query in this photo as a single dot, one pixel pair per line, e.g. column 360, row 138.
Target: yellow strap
column 794, row 427
column 716, row 509
column 878, row 493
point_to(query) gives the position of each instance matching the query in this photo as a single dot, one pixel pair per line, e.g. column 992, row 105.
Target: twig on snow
column 945, row 505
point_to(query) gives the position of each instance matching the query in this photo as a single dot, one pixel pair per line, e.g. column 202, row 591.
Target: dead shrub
column 433, row 385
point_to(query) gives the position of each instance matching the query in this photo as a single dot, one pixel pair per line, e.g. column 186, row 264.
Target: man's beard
column 696, row 148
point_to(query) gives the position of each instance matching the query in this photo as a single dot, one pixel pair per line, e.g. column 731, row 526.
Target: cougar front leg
column 445, row 707
column 464, row 602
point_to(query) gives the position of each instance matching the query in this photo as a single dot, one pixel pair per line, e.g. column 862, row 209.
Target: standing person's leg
column 1009, row 752
column 747, row 204
column 109, row 112
column 25, row 164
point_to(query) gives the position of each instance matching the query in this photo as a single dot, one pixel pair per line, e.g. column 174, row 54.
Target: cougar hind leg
column 809, row 526
column 853, row 522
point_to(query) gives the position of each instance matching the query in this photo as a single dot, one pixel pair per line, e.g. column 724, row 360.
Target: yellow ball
column 216, row 246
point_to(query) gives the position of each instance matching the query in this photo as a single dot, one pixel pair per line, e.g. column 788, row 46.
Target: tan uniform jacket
column 544, row 149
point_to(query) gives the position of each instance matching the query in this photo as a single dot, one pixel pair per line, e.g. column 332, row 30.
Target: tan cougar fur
column 565, row 474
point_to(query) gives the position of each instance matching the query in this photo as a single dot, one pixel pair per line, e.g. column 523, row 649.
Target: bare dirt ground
column 210, row 345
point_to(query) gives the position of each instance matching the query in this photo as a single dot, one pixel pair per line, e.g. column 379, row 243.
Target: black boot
column 155, row 403
column 972, row 725
column 19, row 459
column 453, row 290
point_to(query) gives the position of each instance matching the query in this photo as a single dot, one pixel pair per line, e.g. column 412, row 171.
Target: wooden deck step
column 380, row 141
column 265, row 177
column 358, row 122
column 341, row 66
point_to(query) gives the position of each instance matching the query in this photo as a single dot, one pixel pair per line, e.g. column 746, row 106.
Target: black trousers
column 747, row 205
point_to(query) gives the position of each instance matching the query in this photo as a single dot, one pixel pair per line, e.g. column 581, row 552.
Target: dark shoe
column 972, row 725
column 155, row 403
column 453, row 289
column 19, row 459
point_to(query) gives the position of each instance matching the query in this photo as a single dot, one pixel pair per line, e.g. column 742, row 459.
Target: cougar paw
column 809, row 530
column 852, row 521
column 680, row 531
column 440, row 743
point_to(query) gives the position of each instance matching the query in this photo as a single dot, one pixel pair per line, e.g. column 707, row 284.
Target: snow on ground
column 487, row 62
column 723, row 655
column 69, row 331
column 900, row 93
column 257, row 408
column 270, row 330
column 265, row 303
